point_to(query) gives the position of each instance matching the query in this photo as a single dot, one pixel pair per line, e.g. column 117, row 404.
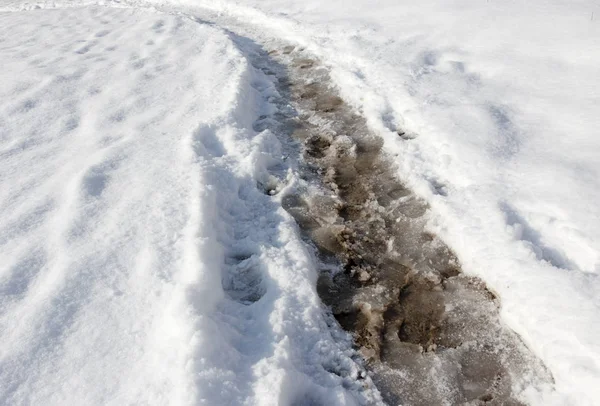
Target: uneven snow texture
column 498, row 102
column 498, row 105
column 135, row 236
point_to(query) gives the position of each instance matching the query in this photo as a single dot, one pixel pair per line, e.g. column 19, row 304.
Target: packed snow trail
column 431, row 334
column 134, row 239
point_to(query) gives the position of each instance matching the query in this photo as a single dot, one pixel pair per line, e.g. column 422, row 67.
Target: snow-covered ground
column 128, row 190
column 128, row 168
column 500, row 102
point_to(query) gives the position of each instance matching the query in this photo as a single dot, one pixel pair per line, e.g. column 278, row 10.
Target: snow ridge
column 269, row 320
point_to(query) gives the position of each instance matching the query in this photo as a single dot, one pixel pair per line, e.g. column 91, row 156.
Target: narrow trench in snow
column 429, row 334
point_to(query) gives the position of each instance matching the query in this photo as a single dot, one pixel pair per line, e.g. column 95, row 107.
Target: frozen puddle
column 430, row 334
column 143, row 259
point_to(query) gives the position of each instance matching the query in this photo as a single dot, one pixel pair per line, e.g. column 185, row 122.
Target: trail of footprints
column 429, row 334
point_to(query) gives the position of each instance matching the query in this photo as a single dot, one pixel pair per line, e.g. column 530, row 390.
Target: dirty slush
column 429, row 334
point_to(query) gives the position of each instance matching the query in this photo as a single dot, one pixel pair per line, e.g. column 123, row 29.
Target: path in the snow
column 220, row 265
column 429, row 334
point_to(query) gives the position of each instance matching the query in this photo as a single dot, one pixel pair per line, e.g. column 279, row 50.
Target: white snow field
column 128, row 173
column 128, row 177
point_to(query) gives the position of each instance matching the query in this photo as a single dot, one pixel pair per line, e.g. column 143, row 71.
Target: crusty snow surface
column 129, row 173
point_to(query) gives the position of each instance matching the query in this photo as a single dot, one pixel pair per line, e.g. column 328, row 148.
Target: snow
column 499, row 102
column 127, row 193
column 507, row 126
column 128, row 168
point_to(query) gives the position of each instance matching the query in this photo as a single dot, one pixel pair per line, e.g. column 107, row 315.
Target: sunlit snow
column 142, row 262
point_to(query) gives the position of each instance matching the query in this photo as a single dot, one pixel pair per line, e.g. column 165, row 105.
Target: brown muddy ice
column 430, row 335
